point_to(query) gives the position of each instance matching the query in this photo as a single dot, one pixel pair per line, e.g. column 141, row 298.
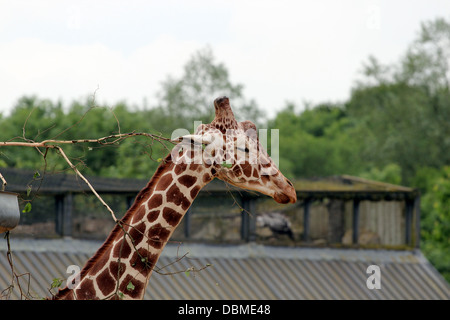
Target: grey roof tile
column 247, row 271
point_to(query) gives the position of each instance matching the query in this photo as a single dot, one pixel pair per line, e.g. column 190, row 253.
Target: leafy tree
column 41, row 119
column 190, row 97
column 391, row 173
column 316, row 142
column 32, row 119
column 402, row 110
column 402, row 113
column 436, row 223
column 426, row 62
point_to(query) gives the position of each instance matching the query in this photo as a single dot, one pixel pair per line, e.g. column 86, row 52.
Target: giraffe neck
column 123, row 265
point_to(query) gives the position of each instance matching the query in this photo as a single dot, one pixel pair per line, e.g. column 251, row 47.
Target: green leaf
column 130, row 286
column 227, row 165
column 36, row 175
column 29, row 191
column 27, row 208
column 56, row 283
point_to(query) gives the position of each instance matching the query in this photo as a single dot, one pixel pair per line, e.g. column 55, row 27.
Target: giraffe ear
column 246, row 125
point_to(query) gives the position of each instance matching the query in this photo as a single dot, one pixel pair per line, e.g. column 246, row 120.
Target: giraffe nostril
column 289, row 183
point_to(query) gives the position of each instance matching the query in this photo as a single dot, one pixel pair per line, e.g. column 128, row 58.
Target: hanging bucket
column 9, row 211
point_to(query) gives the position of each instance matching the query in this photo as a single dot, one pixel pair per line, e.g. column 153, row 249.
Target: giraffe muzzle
column 288, row 193
column 289, row 197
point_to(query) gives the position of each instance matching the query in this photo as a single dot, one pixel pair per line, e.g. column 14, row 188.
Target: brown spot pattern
column 134, row 293
column 164, row 182
column 171, row 216
column 187, row 180
column 121, row 249
column 206, row 178
column 179, row 168
column 106, row 282
column 158, row 235
column 237, row 170
column 116, row 269
column 86, row 291
column 195, row 190
column 176, row 196
column 153, row 215
column 102, row 261
column 137, row 233
column 139, row 214
column 143, row 261
column 155, row 201
column 247, row 169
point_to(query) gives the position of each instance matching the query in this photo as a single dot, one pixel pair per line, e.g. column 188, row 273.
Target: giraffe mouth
column 287, row 193
column 285, row 198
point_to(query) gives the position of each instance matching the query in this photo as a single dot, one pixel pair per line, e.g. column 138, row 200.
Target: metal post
column 248, row 218
column 59, row 209
column 306, row 217
column 417, row 209
column 67, row 215
column 130, row 201
column 408, row 220
column 355, row 233
column 187, row 224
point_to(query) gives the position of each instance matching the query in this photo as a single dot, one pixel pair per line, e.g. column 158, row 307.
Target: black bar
column 306, row 220
column 355, row 233
column 417, row 209
column 67, row 215
column 248, row 220
column 130, row 201
column 187, row 224
column 59, row 209
column 408, row 221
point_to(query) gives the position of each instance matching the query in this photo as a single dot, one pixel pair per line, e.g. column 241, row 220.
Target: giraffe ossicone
column 224, row 149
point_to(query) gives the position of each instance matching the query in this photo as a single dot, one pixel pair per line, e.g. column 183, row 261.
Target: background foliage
column 395, row 127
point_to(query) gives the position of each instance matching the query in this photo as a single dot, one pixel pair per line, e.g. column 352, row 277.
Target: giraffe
column 224, row 149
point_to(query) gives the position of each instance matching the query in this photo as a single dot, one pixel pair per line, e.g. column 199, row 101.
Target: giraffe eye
column 245, row 150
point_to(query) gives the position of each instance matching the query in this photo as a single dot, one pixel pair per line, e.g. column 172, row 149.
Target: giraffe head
column 232, row 152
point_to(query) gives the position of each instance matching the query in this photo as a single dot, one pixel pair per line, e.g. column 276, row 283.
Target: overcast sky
column 279, row 50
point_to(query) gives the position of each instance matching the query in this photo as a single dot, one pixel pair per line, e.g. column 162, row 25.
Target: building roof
column 57, row 183
column 248, row 271
column 349, row 187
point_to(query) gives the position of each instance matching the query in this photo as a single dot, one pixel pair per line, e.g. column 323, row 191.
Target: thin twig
column 104, row 140
column 14, row 276
column 61, row 151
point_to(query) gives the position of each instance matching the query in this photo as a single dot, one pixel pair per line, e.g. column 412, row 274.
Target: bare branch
column 103, row 141
column 85, row 180
column 113, row 139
